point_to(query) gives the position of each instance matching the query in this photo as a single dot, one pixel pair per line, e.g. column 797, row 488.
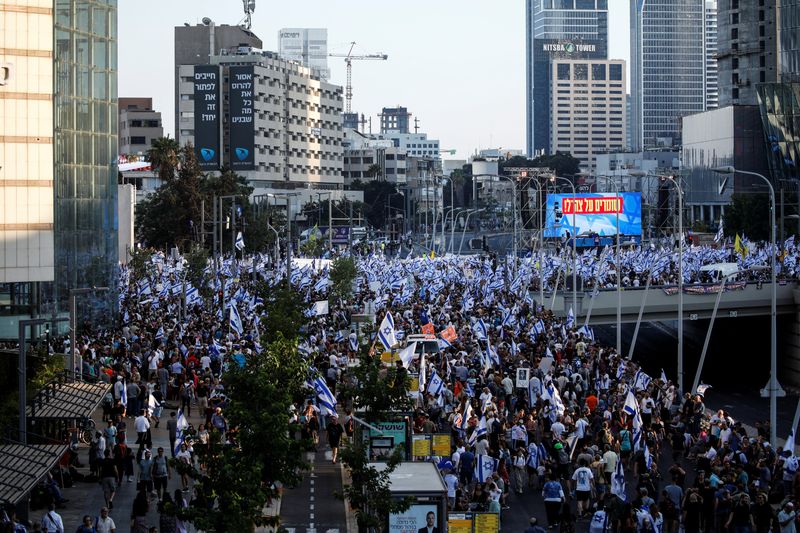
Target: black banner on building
column 242, row 127
column 207, row 108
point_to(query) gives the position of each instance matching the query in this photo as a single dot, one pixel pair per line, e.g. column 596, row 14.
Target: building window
column 734, row 33
column 581, row 71
column 138, row 140
column 615, row 73
column 598, row 72
column 563, row 71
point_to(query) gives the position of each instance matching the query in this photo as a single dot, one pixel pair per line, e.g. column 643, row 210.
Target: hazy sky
column 457, row 65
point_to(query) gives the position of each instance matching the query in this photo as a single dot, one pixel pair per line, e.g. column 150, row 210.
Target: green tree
column 240, row 477
column 343, row 272
column 563, row 163
column 369, row 492
column 377, row 195
column 748, row 215
column 378, row 390
column 165, row 157
column 283, row 307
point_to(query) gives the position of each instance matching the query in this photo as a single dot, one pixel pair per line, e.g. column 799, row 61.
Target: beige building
column 139, row 124
column 587, row 115
column 297, row 121
column 26, row 148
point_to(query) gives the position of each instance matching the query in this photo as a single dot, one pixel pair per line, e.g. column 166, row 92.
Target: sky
column 457, row 65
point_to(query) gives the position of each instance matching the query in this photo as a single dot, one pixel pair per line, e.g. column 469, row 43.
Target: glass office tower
column 557, row 29
column 85, row 88
column 668, row 68
column 789, row 40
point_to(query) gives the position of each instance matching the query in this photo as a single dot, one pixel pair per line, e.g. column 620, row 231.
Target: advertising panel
column 594, row 213
column 242, row 127
column 207, row 109
column 416, row 518
column 389, row 430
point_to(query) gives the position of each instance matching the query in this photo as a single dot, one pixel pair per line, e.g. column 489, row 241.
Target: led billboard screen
column 594, row 213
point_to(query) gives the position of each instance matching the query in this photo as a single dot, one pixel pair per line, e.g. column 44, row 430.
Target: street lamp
column 287, row 196
column 73, row 325
column 466, row 225
column 680, row 278
column 553, row 179
column 773, row 385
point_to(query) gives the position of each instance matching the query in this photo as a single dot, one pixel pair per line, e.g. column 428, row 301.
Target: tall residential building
column 194, row 45
column 85, row 147
column 307, row 46
column 557, row 29
column 712, row 71
column 139, row 124
column 26, row 158
column 748, row 49
column 416, row 144
column 668, row 68
column 395, row 119
column 789, row 40
column 588, row 112
column 270, row 120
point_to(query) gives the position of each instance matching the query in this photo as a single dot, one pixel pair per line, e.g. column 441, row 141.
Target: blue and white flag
column 239, row 241
column 537, row 455
column 720, row 233
column 618, row 482
column 480, row 430
column 182, row 424
column 435, row 385
column 406, row 355
column 386, row 332
column 641, row 381
column 236, row 320
column 485, row 466
column 325, row 398
column 353, row 339
column 570, row 319
column 480, row 330
column 443, row 344
column 648, row 459
column 587, row 332
column 160, row 333
column 214, row 349
column 631, row 406
column 123, row 396
column 466, row 415
column 339, row 336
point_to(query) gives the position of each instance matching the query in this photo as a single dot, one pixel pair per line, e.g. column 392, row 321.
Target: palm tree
column 374, row 171
column 163, row 157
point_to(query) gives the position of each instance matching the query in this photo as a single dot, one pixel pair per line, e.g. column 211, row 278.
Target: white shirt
column 141, row 424
column 205, row 362
column 583, row 479
column 452, row 484
column 52, row 523
column 557, row 429
column 580, row 428
column 105, row 525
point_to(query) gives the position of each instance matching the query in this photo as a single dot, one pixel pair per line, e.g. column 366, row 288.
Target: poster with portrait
column 523, row 376
column 416, row 519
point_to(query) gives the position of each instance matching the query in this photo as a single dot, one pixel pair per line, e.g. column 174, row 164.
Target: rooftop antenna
column 249, row 8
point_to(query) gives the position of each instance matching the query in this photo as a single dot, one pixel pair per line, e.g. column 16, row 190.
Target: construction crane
column 348, row 59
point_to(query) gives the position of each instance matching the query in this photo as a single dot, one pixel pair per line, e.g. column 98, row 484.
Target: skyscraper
column 748, row 49
column 307, row 46
column 557, row 29
column 668, row 68
column 712, row 71
column 85, row 145
column 789, row 37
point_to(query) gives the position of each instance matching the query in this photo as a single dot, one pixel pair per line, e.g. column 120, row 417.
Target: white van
column 720, row 271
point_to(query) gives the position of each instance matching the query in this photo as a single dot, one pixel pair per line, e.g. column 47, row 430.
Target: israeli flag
column 641, row 381
column 443, row 344
column 469, row 390
column 480, row 330
column 422, row 372
column 182, row 425
column 587, row 332
column 485, row 466
column 339, row 336
column 160, row 333
column 663, row 376
column 631, row 406
column 435, row 385
column 537, row 454
column 213, row 349
column 789, row 446
column 466, row 415
column 353, row 339
column 648, row 459
column 236, row 320
column 386, row 332
column 570, row 319
column 481, row 429
column 618, row 482
column 407, row 354
column 123, row 396
column 325, row 398
column 720, row 233
column 239, row 241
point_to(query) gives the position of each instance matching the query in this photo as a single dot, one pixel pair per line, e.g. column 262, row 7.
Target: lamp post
column 680, row 279
column 773, row 385
column 287, row 196
column 553, row 179
column 466, row 225
column 444, row 219
column 73, row 325
column 618, row 263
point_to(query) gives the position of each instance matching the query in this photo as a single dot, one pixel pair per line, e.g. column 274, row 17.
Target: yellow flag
column 432, row 254
column 739, row 247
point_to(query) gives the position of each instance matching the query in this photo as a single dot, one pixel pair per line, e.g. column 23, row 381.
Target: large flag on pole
column 325, row 398
column 386, row 332
column 720, row 236
column 485, row 466
column 618, row 482
column 236, row 320
column 407, row 354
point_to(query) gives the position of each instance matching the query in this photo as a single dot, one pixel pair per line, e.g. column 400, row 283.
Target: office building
column 394, row 120
column 587, row 116
column 367, row 158
column 668, row 68
column 26, row 160
column 307, row 46
column 557, row 29
column 85, row 149
column 748, row 49
column 194, row 45
column 789, row 40
column 728, row 136
column 415, row 144
column 712, row 71
column 779, row 105
column 270, row 120
column 139, row 124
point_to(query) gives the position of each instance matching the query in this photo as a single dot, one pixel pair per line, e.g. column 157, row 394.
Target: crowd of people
column 531, row 401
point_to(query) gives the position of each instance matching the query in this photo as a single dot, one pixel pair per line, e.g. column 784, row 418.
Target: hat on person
column 558, row 446
column 533, row 521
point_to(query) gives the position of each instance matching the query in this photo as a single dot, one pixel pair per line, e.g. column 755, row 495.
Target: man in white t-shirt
column 451, row 480
column 557, row 428
column 583, row 485
column 104, row 523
